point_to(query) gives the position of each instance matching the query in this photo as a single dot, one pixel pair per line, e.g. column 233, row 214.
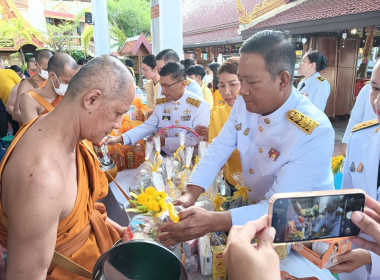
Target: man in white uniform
column 285, row 142
column 178, row 107
column 361, row 170
column 168, row 55
column 330, row 223
column 361, row 112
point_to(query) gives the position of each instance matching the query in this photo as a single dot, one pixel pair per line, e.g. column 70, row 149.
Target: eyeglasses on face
column 168, row 86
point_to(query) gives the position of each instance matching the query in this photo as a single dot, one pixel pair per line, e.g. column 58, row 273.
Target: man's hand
column 189, row 196
column 202, row 131
column 162, row 139
column 244, row 261
column 111, row 140
column 369, row 223
column 343, row 151
column 350, row 261
column 194, row 222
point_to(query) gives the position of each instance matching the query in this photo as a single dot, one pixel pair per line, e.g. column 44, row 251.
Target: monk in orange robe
column 50, row 179
column 61, row 68
column 38, row 80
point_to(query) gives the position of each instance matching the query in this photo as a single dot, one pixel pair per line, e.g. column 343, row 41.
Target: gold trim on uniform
column 246, row 132
column 365, row 125
column 188, row 82
column 187, row 112
column 161, row 101
column 238, row 127
column 302, row 121
column 320, row 78
column 193, row 101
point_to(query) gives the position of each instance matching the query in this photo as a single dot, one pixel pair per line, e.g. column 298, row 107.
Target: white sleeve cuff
column 126, row 139
column 374, row 269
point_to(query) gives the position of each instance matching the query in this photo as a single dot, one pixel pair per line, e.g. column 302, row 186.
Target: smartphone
column 319, row 215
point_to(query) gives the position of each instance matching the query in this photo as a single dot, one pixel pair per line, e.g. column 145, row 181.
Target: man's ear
column 92, row 99
column 284, row 77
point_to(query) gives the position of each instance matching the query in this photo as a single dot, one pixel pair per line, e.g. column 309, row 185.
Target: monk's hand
column 189, row 196
column 193, row 222
column 245, row 261
column 111, row 140
column 351, row 260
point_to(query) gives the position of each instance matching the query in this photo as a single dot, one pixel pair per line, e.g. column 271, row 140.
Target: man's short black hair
column 16, row 68
column 82, row 61
column 187, row 63
column 150, row 60
column 168, row 55
column 175, row 70
column 196, row 70
column 129, row 62
column 193, row 54
column 276, row 49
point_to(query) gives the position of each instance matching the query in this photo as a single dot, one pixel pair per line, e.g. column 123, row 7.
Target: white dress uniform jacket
column 317, row 89
column 361, row 112
column 361, row 171
column 278, row 154
column 331, row 222
column 191, row 86
column 188, row 111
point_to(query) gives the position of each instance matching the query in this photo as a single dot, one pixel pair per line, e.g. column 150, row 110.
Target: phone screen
column 318, row 217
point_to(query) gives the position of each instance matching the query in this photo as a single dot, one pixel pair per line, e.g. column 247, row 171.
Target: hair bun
column 323, row 63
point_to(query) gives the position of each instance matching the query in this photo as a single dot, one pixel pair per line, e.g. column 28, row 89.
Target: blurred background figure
column 150, row 71
column 197, row 73
column 1, row 63
column 192, row 56
column 18, row 71
column 187, row 63
column 31, row 68
column 129, row 64
column 314, row 86
column 211, row 79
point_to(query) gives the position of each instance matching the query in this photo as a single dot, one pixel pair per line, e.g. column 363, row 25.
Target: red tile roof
column 320, row 9
column 202, row 15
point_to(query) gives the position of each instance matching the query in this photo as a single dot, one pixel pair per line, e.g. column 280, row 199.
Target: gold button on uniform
column 261, row 128
column 251, row 171
column 178, row 103
column 175, row 108
column 267, row 121
column 176, row 135
column 176, row 122
column 376, row 130
column 260, row 150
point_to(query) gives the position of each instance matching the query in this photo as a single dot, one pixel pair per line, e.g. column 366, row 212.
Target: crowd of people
column 255, row 120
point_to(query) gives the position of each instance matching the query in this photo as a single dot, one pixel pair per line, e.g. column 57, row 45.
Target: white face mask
column 208, row 79
column 62, row 87
column 43, row 73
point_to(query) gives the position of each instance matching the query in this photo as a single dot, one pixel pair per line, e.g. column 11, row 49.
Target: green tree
column 60, row 37
column 130, row 16
column 17, row 28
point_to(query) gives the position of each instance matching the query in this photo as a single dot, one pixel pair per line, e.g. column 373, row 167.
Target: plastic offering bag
column 240, row 196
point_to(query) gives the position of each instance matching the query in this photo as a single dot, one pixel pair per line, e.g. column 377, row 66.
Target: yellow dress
column 218, row 99
column 151, row 93
column 207, row 95
column 218, row 118
column 8, row 79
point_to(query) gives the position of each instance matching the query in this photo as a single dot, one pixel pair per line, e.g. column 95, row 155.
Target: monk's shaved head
column 104, row 73
column 60, row 61
column 41, row 54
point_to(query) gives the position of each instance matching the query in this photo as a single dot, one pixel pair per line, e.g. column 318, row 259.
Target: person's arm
column 308, row 169
column 321, row 96
column 357, row 113
column 350, row 261
column 28, row 108
column 12, row 99
column 202, row 118
column 23, row 87
column 207, row 95
column 245, row 261
column 150, row 95
column 139, row 132
column 34, row 208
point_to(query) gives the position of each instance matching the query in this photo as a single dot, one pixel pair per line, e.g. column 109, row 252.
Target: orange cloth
column 54, row 103
column 85, row 228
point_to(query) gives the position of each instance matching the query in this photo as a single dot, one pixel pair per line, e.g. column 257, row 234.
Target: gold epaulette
column 193, row 102
column 188, row 82
column 302, row 121
column 367, row 82
column 365, row 125
column 320, row 78
column 161, row 101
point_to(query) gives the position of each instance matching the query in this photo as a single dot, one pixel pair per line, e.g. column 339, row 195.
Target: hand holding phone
column 318, row 215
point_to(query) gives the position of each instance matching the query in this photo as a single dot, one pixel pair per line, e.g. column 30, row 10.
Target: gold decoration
column 302, row 121
column 161, row 101
column 320, row 78
column 258, row 10
column 193, row 101
column 365, row 125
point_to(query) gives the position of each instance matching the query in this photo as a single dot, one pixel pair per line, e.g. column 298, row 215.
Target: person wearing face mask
column 211, row 79
column 61, row 68
column 229, row 86
column 38, row 80
column 314, row 86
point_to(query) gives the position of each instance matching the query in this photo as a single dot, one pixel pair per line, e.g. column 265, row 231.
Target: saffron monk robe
column 38, row 80
column 61, row 68
column 50, row 181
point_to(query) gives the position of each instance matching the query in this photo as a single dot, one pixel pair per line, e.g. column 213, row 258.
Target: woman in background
column 314, row 86
column 150, row 71
column 211, row 79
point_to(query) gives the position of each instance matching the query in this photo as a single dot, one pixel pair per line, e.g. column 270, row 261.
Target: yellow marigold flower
column 150, row 191
column 142, row 198
column 153, row 205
